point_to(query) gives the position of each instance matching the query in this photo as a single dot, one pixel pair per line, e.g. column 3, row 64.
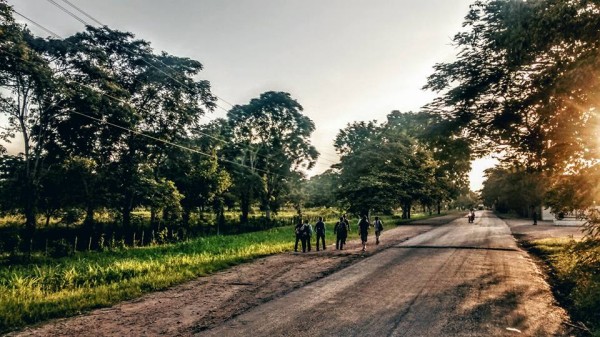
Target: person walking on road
column 347, row 222
column 378, row 229
column 534, row 218
column 363, row 227
column 320, row 229
column 341, row 232
column 307, row 231
column 299, row 235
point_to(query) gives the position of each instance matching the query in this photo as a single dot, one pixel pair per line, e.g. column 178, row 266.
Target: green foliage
column 321, row 190
column 271, row 137
column 513, row 189
column 394, row 164
column 575, row 267
column 467, row 201
column 578, row 192
column 525, row 81
column 26, row 98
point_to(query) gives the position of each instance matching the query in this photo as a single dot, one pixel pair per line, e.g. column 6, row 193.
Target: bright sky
column 343, row 60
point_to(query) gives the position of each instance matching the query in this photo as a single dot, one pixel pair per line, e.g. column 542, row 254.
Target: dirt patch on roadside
column 208, row 301
column 523, row 229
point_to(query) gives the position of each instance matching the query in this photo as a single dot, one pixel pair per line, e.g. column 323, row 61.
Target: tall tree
column 451, row 153
column 382, row 167
column 525, row 82
column 271, row 137
column 27, row 87
column 513, row 188
column 321, row 189
column 128, row 85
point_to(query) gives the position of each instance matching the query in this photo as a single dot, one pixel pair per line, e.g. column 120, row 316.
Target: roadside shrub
column 12, row 243
column 586, row 270
column 60, row 248
column 72, row 216
column 577, row 268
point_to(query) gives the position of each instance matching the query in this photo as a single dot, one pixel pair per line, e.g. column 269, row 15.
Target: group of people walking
column 304, row 232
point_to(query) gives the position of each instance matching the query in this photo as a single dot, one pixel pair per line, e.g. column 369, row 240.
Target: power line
column 143, row 59
column 38, row 25
column 73, row 15
column 148, row 62
column 141, row 133
column 83, row 12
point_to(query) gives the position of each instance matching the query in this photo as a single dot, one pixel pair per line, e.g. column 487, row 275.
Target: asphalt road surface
column 459, row 279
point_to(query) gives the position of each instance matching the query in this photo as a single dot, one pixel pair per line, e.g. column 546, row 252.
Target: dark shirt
column 299, row 229
column 320, row 227
column 363, row 226
column 378, row 225
column 341, row 229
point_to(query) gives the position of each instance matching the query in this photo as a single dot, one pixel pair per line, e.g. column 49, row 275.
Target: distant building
column 575, row 218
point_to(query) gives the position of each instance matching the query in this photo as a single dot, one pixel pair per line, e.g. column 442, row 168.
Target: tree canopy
column 524, row 81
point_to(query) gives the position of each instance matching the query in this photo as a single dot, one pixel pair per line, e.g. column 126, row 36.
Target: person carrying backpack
column 341, row 231
column 299, row 235
column 320, row 229
column 307, row 234
column 363, row 228
column 347, row 222
column 378, row 229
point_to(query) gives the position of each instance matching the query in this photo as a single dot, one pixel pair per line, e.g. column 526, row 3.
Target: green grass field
column 574, row 272
column 50, row 288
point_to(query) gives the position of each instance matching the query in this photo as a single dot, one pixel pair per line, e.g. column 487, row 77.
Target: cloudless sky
column 342, row 60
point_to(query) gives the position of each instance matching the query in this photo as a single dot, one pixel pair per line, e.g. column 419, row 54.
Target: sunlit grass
column 574, row 266
column 55, row 288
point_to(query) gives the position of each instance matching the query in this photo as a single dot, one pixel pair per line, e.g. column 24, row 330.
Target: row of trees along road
column 110, row 126
column 396, row 164
column 525, row 83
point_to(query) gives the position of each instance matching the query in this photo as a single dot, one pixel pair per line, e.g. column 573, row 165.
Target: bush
column 576, row 267
column 60, row 248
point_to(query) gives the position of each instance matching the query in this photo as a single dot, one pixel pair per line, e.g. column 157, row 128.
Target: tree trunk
column 88, row 222
column 126, row 216
column 153, row 217
column 245, row 206
column 185, row 217
column 439, row 208
column 30, row 215
column 406, row 210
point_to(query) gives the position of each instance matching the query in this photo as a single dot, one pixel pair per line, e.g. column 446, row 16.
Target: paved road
column 457, row 280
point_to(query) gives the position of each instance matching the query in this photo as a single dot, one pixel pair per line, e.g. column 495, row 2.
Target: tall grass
column 575, row 271
column 54, row 288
